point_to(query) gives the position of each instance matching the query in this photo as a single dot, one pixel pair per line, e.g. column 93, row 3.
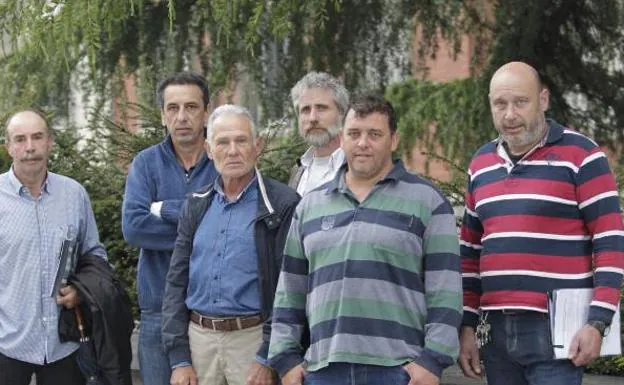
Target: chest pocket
column 402, row 222
column 405, row 233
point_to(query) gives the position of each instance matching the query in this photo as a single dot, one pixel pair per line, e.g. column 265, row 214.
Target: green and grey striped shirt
column 377, row 282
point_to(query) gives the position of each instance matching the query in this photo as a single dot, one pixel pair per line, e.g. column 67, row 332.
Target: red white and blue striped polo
column 550, row 221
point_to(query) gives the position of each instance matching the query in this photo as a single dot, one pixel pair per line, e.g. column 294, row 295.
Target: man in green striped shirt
column 371, row 266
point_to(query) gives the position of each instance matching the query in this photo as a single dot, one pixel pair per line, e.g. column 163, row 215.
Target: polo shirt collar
column 397, row 172
column 554, row 134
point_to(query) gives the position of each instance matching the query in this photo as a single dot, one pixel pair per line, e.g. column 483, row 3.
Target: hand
column 469, row 353
column 260, row 375
column 585, row 346
column 68, row 297
column 294, row 376
column 183, row 375
column 419, row 375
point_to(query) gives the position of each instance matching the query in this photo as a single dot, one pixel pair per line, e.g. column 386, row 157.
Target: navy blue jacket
column 276, row 205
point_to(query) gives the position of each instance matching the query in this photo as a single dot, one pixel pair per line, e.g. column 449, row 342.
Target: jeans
column 521, row 352
column 64, row 371
column 153, row 361
column 357, row 374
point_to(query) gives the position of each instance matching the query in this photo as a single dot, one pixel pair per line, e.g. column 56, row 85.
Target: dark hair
column 183, row 78
column 366, row 104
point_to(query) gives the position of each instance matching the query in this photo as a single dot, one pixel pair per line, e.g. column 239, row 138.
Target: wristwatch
column 602, row 327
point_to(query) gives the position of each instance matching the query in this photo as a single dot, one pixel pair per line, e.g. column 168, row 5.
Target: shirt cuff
column 181, row 364
column 262, row 361
column 155, row 208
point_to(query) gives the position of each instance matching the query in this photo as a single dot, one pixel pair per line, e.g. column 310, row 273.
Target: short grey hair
column 229, row 109
column 325, row 81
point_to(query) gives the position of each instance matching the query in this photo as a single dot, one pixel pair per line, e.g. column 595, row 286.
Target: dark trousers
column 521, row 352
column 65, row 371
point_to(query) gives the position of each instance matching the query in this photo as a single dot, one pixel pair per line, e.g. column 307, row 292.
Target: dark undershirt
column 514, row 158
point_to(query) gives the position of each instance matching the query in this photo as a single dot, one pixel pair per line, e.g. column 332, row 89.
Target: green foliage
column 269, row 44
column 5, row 159
column 457, row 110
column 283, row 146
column 576, row 45
column 613, row 366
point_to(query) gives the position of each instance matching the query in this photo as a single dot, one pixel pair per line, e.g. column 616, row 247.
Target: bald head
column 32, row 118
column 29, row 143
column 518, row 102
column 519, row 70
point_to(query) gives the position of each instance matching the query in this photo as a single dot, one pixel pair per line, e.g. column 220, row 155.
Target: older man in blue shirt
column 224, row 269
column 38, row 209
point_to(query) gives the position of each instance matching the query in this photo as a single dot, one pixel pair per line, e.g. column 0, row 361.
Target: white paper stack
column 568, row 311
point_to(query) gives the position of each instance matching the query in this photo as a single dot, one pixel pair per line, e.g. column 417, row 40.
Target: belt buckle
column 214, row 327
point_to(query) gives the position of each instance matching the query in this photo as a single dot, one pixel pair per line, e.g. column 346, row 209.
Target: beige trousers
column 223, row 358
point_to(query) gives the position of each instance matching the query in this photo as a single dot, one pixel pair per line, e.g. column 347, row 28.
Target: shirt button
column 214, row 301
column 216, row 277
column 222, row 231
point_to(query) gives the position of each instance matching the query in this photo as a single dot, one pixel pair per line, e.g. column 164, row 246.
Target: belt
column 226, row 324
column 515, row 311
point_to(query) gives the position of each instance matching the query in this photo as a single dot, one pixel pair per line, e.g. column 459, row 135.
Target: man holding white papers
column 542, row 213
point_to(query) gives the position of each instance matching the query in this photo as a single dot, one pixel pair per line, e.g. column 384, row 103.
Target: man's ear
column 260, row 144
column 544, row 99
column 207, row 148
column 396, row 138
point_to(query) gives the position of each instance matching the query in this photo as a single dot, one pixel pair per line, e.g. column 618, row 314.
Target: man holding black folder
column 542, row 213
column 39, row 210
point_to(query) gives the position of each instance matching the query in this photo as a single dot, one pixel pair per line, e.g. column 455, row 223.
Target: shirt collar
column 336, row 158
column 397, row 172
column 218, row 187
column 554, row 134
column 18, row 187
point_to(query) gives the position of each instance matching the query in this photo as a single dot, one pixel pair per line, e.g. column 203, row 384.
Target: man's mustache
column 29, row 158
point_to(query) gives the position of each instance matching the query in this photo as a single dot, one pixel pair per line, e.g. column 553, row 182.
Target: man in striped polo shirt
column 542, row 213
column 372, row 265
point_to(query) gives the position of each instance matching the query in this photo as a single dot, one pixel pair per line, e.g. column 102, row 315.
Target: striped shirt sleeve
column 289, row 316
column 598, row 200
column 443, row 290
column 470, row 251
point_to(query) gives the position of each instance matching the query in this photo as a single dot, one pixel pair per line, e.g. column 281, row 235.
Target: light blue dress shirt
column 223, row 271
column 31, row 232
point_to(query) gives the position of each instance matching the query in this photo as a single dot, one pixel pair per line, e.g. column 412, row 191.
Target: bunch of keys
column 483, row 331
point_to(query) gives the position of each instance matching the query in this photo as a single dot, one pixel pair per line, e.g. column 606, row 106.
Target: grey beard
column 322, row 138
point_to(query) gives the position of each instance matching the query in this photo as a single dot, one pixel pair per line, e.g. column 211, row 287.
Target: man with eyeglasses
column 159, row 179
